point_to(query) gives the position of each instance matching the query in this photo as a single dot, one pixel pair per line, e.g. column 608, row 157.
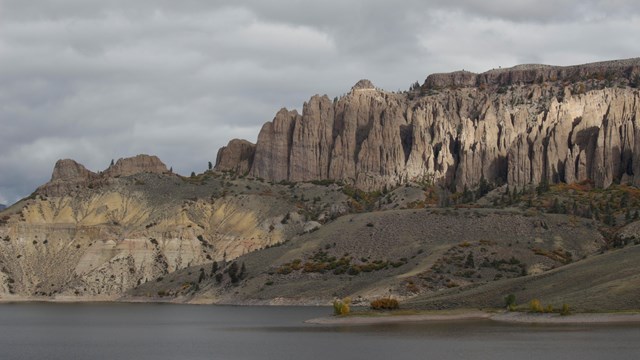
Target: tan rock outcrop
column 520, row 125
column 69, row 176
column 70, row 170
column 135, row 165
column 237, row 156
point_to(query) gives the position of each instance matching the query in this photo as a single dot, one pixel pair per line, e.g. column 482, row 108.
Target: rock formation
column 135, row 165
column 236, row 157
column 69, row 170
column 68, row 175
column 520, row 125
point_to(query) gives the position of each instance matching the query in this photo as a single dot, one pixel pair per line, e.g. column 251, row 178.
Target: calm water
column 152, row 331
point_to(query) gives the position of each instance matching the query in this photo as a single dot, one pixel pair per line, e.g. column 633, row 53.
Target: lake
column 163, row 331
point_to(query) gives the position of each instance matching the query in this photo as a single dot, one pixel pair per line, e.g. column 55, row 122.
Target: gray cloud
column 96, row 80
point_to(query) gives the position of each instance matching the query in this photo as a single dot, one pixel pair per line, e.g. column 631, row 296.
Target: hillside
column 100, row 235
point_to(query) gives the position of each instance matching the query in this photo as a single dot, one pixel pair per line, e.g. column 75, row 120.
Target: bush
column 565, row 310
column 536, row 306
column 510, row 302
column 385, row 304
column 341, row 307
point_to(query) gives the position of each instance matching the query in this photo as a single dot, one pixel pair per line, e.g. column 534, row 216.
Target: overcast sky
column 99, row 80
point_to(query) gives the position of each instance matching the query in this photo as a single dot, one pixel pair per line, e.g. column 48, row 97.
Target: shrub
column 341, row 307
column 565, row 310
column 385, row 304
column 536, row 306
column 510, row 302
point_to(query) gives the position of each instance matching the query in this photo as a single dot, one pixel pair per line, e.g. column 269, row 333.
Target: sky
column 100, row 80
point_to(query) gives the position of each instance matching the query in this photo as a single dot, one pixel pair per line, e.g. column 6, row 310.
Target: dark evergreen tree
column 243, row 271
column 233, row 272
column 543, row 187
column 214, row 268
column 470, row 263
column 483, row 187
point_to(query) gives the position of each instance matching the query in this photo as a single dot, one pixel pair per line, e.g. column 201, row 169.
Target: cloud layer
column 99, row 80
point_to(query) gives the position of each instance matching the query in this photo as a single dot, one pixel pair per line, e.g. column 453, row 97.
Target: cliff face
column 518, row 125
column 236, row 157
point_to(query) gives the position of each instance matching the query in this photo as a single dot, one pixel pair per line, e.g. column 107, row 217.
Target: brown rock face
column 520, row 125
column 271, row 160
column 135, row 165
column 534, row 73
column 70, row 170
column 68, row 175
column 237, row 156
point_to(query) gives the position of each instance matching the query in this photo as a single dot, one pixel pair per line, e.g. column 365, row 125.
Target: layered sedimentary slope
column 521, row 125
column 96, row 235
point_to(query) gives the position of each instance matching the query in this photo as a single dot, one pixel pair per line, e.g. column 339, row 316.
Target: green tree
column 210, row 165
column 624, row 200
column 635, row 82
column 470, row 263
column 483, row 187
column 233, row 272
column 243, row 271
column 543, row 186
column 510, row 302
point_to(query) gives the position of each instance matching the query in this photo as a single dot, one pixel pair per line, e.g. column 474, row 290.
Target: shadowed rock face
column 237, row 156
column 520, row 125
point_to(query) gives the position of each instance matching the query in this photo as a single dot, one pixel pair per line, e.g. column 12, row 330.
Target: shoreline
column 390, row 318
column 375, row 318
column 505, row 317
